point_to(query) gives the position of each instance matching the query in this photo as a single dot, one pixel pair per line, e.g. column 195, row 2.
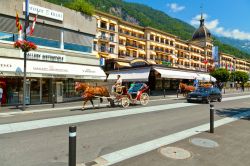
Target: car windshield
column 202, row 90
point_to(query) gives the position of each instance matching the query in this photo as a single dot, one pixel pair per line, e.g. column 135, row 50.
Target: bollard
column 53, row 101
column 72, row 146
column 224, row 90
column 164, row 93
column 211, row 118
column 177, row 93
column 149, row 92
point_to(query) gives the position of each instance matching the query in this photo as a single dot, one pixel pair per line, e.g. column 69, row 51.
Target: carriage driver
column 117, row 83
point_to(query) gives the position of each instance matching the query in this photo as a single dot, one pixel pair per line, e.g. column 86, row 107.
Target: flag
column 18, row 24
column 33, row 26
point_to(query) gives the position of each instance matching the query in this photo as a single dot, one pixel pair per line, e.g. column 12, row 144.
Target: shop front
column 43, row 80
column 159, row 78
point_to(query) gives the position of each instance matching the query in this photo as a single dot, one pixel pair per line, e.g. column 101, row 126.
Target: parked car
column 205, row 94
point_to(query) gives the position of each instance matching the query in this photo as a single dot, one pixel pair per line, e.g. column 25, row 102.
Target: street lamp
column 25, row 52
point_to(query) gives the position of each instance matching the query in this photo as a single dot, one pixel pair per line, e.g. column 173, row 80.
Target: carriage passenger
column 117, row 83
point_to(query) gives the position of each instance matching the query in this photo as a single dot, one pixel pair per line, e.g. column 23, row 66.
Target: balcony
column 159, row 50
column 103, row 27
column 103, row 50
column 131, row 45
column 103, row 38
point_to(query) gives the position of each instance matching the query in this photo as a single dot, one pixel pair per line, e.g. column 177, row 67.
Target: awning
column 205, row 77
column 142, row 52
column 167, row 73
column 14, row 67
column 131, row 75
column 123, row 64
column 151, row 61
column 152, row 53
column 123, row 48
column 122, row 37
column 177, row 74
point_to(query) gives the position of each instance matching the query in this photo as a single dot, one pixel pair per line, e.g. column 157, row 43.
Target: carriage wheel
column 144, row 99
column 125, row 102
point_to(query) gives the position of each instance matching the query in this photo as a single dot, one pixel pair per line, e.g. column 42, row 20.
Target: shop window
column 8, row 36
column 44, row 42
column 75, row 47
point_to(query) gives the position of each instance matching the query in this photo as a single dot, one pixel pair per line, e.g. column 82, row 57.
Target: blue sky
column 229, row 18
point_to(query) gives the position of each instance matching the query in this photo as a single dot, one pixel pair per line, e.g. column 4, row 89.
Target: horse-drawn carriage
column 122, row 95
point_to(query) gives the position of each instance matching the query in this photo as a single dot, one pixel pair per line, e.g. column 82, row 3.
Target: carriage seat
column 119, row 89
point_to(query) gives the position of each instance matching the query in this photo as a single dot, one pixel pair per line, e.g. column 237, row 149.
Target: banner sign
column 41, row 11
column 215, row 55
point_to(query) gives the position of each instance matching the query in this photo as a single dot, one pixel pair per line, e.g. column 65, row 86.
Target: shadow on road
column 229, row 112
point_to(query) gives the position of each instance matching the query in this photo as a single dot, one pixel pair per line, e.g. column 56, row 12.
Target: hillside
column 147, row 16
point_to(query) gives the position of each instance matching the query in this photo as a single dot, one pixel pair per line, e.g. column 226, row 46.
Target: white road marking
column 139, row 149
column 36, row 124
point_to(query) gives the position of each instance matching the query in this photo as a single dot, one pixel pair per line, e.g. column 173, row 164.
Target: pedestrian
column 196, row 83
column 242, row 87
column 1, row 95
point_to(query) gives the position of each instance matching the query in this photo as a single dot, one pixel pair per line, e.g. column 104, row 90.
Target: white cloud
column 213, row 26
column 174, row 7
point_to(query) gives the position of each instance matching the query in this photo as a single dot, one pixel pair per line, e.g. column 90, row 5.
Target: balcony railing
column 131, row 45
column 103, row 38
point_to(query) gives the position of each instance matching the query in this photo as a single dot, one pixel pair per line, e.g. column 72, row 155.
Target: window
column 112, row 27
column 134, row 53
column 8, row 36
column 151, row 37
column 103, row 25
column 95, row 46
column 111, row 49
column 112, row 37
column 44, row 42
column 75, row 47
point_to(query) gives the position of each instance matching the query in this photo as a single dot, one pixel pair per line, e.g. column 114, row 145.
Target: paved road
column 48, row 145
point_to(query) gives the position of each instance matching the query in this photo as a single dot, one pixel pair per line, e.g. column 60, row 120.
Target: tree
column 221, row 75
column 81, row 6
column 240, row 77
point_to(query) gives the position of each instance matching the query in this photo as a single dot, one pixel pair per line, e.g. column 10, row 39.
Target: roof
column 202, row 32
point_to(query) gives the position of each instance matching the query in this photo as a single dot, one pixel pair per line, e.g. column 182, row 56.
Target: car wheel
column 220, row 99
column 189, row 101
column 208, row 100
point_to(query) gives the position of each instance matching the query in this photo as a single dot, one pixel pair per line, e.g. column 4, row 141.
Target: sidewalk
column 228, row 146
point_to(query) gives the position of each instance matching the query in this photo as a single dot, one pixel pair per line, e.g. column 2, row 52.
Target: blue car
column 203, row 94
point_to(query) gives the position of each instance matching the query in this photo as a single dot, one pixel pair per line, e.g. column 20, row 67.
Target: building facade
column 65, row 42
column 135, row 46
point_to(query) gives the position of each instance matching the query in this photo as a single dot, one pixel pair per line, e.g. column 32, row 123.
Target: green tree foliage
column 221, row 75
column 78, row 5
column 81, row 6
column 239, row 76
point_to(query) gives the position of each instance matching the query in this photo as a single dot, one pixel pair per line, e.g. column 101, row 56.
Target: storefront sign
column 50, row 69
column 41, row 11
column 44, row 56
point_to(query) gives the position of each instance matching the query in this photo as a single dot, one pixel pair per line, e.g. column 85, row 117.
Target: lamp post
column 25, row 52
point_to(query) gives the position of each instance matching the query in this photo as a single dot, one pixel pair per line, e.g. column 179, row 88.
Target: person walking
column 1, row 95
column 196, row 83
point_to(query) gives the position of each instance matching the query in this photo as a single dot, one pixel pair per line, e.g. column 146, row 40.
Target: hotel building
column 159, row 58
